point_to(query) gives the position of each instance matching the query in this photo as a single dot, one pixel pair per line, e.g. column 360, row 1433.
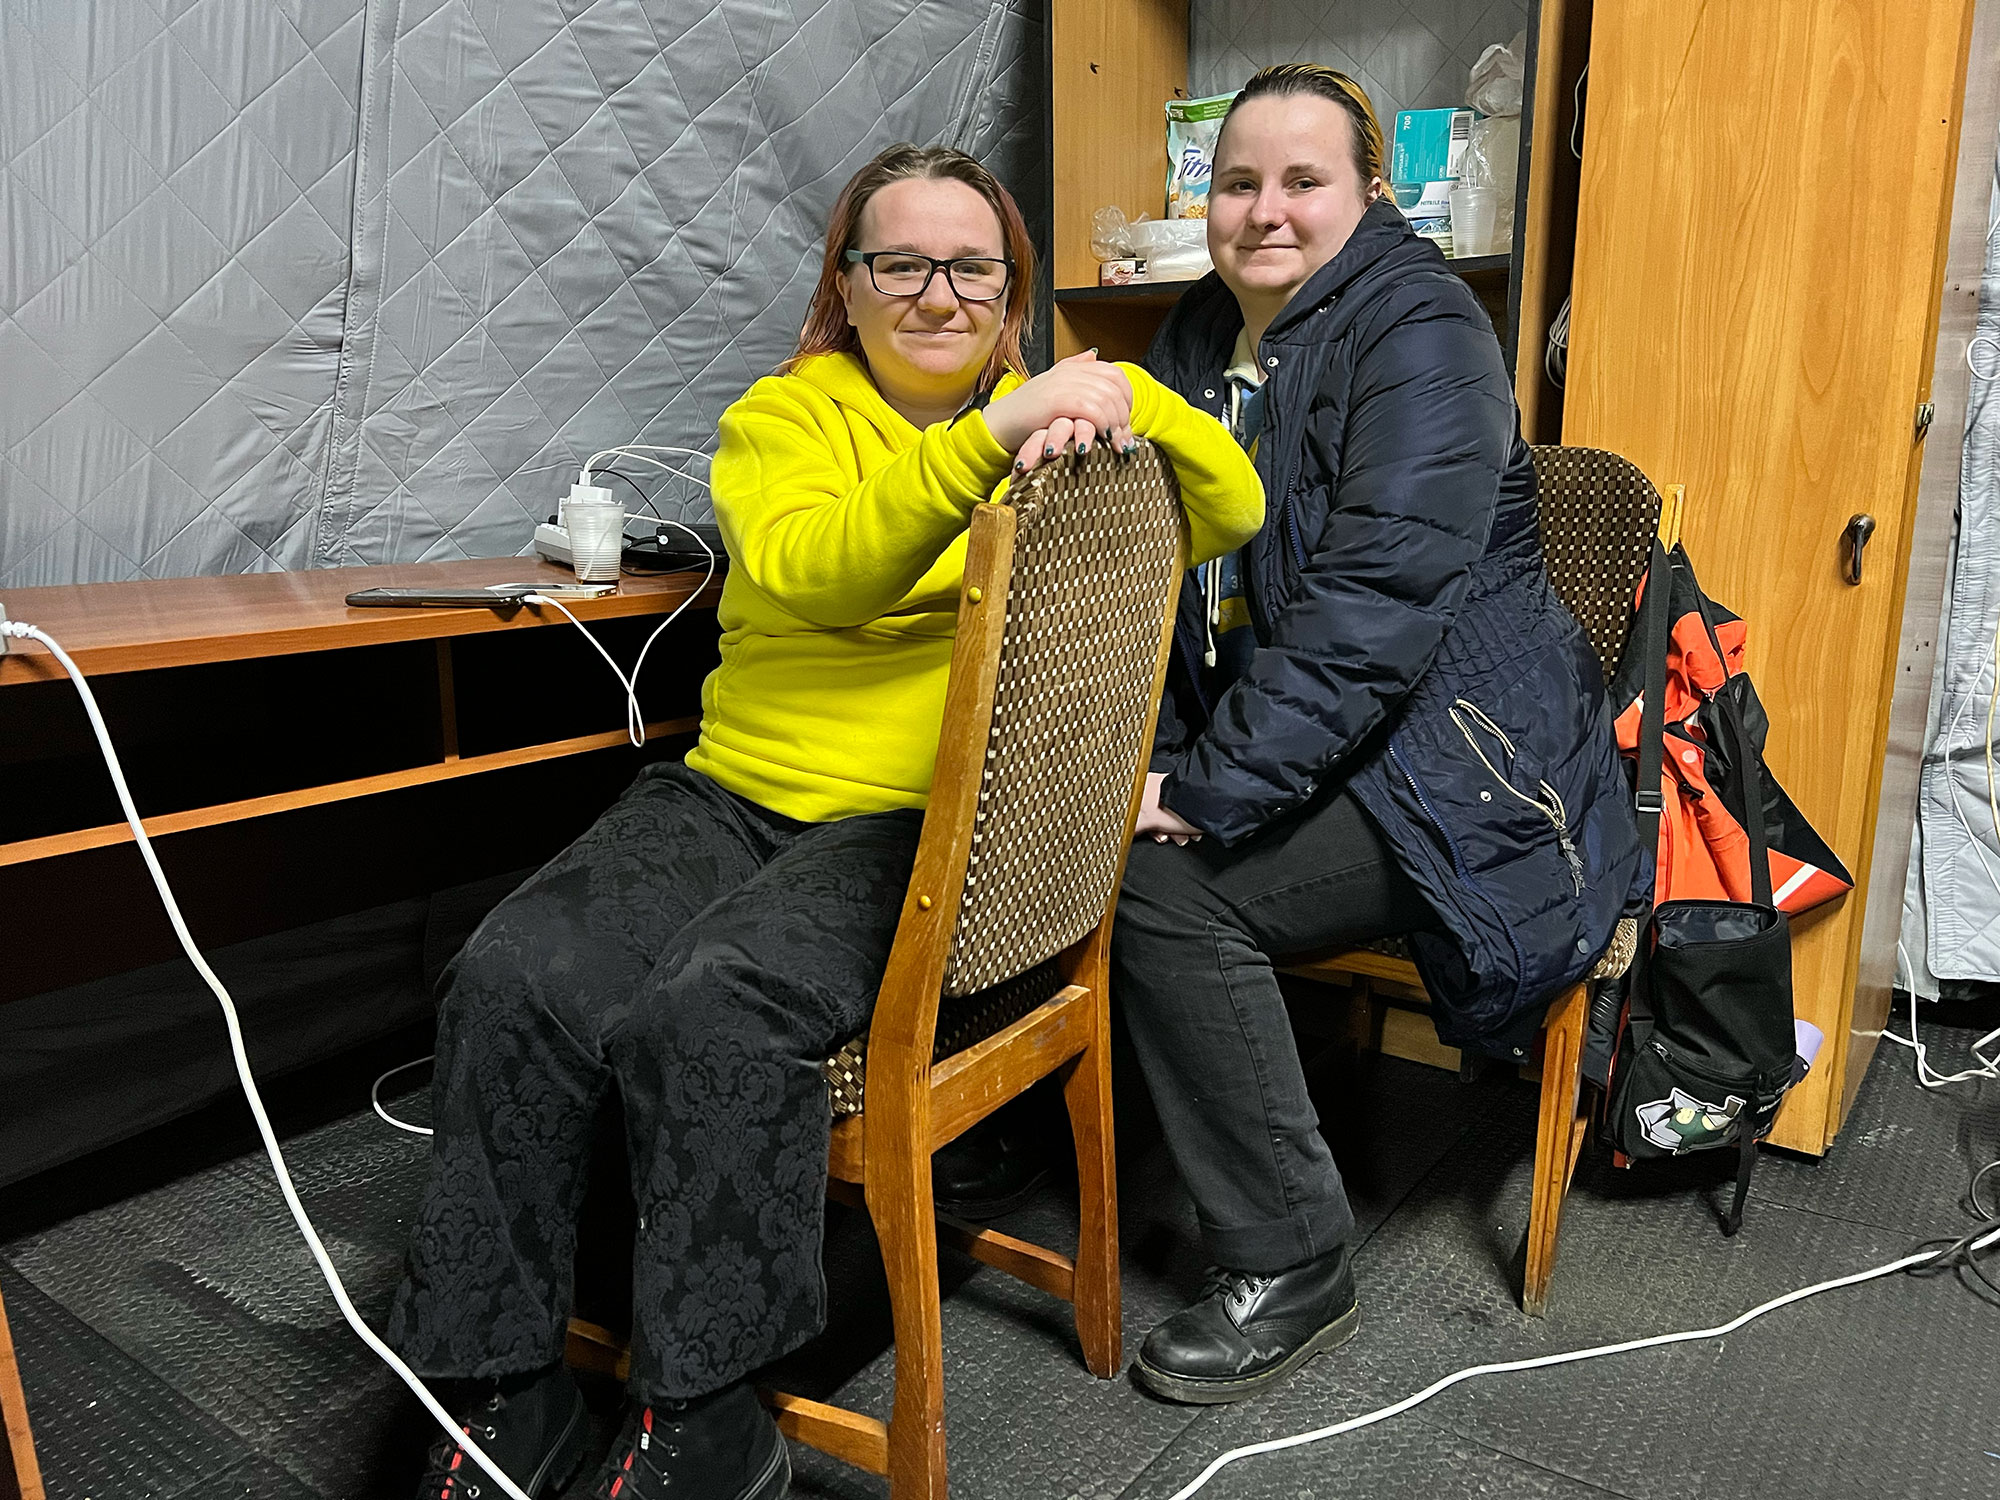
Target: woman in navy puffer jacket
column 1380, row 719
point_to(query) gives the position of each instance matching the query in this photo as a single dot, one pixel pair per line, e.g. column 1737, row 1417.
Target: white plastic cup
column 596, row 538
column 1473, row 211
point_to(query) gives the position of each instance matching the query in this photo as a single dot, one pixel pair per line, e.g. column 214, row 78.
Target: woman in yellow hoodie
column 725, row 925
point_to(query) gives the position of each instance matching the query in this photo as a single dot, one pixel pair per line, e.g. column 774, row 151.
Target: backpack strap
column 1654, row 623
column 1746, row 1163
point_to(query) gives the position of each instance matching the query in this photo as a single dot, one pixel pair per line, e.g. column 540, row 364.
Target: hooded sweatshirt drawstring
column 1211, row 572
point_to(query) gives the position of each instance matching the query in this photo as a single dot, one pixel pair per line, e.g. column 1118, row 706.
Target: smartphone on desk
column 494, row 596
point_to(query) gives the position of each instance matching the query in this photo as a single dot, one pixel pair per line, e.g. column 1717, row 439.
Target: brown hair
column 826, row 329
column 1336, row 88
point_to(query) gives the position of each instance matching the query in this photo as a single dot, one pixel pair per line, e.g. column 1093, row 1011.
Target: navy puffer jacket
column 1410, row 646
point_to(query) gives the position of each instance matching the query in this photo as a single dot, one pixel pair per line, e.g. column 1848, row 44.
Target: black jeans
column 1198, row 927
column 704, row 954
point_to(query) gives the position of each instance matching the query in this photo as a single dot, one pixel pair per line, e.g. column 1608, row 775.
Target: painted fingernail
column 1048, row 453
column 1081, row 449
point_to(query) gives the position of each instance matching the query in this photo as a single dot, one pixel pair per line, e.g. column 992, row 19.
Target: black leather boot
column 721, row 1447
column 1248, row 1332
column 534, row 1426
column 997, row 1165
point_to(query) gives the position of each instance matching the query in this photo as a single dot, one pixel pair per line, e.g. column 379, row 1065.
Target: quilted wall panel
column 175, row 197
column 506, row 233
column 1407, row 54
column 1951, row 918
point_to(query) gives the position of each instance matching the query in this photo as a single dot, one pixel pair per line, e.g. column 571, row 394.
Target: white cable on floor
column 1658, row 1340
column 1927, row 1076
column 23, row 631
column 375, row 1097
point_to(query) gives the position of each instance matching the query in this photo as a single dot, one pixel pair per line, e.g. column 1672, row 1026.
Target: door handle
column 1855, row 537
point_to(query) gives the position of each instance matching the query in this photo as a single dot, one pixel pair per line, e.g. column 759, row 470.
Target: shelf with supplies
column 1112, row 65
column 1476, row 269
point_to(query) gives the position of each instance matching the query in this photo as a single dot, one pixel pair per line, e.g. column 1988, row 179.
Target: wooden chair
column 21, row 1476
column 1063, row 631
column 1599, row 515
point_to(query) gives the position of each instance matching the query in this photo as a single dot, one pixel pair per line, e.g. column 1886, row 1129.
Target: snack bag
column 1193, row 126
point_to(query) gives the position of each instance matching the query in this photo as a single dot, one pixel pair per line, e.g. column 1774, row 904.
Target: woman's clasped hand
column 1077, row 400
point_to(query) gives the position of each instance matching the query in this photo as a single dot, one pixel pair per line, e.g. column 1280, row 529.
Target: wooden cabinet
column 1760, row 249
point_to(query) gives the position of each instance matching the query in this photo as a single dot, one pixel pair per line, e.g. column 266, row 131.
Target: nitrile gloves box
column 1429, row 144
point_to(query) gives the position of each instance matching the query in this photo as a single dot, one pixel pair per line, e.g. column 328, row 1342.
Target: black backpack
column 1700, row 1041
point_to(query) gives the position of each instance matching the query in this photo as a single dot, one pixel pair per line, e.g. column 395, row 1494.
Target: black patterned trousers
column 703, row 954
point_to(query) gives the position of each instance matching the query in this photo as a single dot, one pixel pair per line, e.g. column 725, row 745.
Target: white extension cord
column 1722, row 1330
column 24, row 631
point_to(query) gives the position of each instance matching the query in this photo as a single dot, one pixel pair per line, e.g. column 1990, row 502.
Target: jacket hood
column 845, row 378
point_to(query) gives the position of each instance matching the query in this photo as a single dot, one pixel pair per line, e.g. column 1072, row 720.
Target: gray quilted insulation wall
column 305, row 283
column 1408, row 54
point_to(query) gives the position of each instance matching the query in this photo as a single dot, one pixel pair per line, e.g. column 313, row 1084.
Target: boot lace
column 648, row 1438
column 449, row 1472
column 1220, row 1281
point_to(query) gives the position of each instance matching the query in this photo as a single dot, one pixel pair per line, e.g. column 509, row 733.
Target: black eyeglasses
column 904, row 273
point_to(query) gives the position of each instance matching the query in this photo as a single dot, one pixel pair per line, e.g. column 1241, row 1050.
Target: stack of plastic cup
column 1473, row 214
column 596, row 538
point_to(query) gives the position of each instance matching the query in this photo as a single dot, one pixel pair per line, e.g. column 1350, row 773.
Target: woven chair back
column 1096, row 564
column 1599, row 515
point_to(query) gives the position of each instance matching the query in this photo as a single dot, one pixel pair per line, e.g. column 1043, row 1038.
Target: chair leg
column 20, row 1475
column 899, row 1202
column 1556, row 1141
column 1095, row 1296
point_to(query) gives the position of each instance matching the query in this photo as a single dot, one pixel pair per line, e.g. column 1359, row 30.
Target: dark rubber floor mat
column 105, row 1427
column 194, row 1315
column 206, row 1284
column 1884, row 1389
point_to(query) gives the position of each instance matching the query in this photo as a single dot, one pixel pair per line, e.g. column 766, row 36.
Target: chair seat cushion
column 962, row 1021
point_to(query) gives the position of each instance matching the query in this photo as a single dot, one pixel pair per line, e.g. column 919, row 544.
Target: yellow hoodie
column 846, row 531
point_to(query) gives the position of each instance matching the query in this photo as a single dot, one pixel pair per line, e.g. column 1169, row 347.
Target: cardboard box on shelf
column 1429, row 144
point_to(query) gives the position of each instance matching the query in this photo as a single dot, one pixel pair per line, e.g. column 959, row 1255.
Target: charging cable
column 1927, row 1076
column 635, row 721
column 1961, row 1249
column 375, row 1097
column 639, row 452
column 20, row 630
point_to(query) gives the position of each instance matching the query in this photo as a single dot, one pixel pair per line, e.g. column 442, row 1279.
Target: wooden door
column 1764, row 214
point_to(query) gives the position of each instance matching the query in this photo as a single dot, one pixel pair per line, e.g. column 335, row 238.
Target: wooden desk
column 151, row 626
column 240, row 705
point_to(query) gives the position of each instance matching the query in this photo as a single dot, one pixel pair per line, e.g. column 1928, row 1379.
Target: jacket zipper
column 1464, row 872
column 1552, row 808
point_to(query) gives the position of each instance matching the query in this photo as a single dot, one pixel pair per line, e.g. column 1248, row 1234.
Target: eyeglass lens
column 976, row 279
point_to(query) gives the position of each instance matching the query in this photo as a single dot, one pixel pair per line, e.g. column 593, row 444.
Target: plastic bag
column 1499, row 78
column 1111, row 234
column 1173, row 249
column 1493, row 152
column 1167, row 249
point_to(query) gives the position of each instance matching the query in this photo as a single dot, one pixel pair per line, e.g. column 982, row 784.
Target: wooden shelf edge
column 28, row 661
column 105, row 835
column 1166, row 293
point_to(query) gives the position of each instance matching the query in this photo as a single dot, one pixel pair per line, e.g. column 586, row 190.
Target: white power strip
column 552, row 542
